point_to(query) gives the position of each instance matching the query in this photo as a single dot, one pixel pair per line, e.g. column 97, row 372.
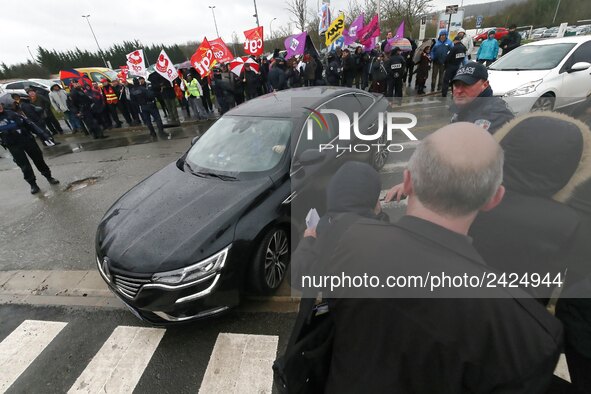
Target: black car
column 187, row 241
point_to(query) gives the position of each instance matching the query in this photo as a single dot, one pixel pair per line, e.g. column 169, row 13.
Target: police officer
column 455, row 58
column 333, row 71
column 395, row 67
column 16, row 135
column 473, row 99
column 145, row 98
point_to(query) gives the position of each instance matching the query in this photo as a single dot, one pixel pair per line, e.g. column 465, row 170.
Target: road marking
column 120, row 363
column 562, row 369
column 23, row 346
column 240, row 363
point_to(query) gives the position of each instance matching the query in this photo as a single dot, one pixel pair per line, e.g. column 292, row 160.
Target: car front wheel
column 544, row 103
column 271, row 261
column 379, row 156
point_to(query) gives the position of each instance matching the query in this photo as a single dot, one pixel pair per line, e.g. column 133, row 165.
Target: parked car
column 500, row 32
column 21, row 86
column 536, row 34
column 544, row 75
column 187, row 241
column 48, row 83
column 550, row 33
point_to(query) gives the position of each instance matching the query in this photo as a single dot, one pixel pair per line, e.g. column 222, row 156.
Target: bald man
column 408, row 339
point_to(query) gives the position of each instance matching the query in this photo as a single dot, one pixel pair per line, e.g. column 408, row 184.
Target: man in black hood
column 474, row 101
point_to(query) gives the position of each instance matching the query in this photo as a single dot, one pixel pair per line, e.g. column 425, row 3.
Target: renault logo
column 105, row 267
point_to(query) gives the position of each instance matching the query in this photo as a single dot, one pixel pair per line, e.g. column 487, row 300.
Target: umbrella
column 6, row 99
column 426, row 43
column 237, row 65
column 402, row 43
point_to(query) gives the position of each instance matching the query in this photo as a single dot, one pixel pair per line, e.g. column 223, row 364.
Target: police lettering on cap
column 471, row 73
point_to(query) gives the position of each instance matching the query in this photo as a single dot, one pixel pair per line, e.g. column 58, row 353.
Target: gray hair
column 452, row 189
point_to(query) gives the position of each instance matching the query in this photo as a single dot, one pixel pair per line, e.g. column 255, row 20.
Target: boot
column 52, row 180
column 34, row 187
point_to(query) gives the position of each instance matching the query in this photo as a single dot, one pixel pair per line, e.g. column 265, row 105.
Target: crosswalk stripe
column 19, row 349
column 120, row 363
column 240, row 363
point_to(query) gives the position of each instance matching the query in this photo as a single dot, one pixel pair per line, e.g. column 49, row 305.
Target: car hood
column 173, row 219
column 504, row 81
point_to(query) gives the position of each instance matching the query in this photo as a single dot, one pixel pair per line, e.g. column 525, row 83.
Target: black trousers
column 394, row 88
column 149, row 112
column 91, row 122
column 410, row 68
column 112, row 113
column 124, row 108
column 206, row 100
column 53, row 124
column 450, row 72
column 19, row 154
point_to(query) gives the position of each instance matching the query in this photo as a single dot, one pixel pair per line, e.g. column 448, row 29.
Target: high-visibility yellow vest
column 193, row 88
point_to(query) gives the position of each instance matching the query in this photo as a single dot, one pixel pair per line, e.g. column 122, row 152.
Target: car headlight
column 527, row 88
column 194, row 272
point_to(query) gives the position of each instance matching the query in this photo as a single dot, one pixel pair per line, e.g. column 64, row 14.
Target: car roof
column 563, row 40
column 281, row 104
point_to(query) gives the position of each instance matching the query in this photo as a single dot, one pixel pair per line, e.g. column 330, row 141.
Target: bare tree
column 409, row 11
column 299, row 10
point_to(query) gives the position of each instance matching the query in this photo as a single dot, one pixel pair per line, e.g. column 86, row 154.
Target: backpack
column 305, row 365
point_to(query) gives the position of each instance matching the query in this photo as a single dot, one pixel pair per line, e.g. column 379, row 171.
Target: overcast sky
column 59, row 24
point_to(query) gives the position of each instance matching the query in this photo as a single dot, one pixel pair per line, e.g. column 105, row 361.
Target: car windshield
column 112, row 75
column 240, row 144
column 533, row 57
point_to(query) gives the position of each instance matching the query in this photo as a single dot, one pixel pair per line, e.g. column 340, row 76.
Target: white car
column 544, row 75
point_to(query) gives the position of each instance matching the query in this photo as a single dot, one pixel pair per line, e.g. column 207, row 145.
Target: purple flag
column 398, row 36
column 350, row 34
column 295, row 45
column 368, row 33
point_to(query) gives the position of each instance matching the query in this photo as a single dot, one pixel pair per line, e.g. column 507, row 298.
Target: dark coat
column 456, row 56
column 485, row 111
column 277, row 78
column 511, row 40
column 434, row 345
column 15, row 130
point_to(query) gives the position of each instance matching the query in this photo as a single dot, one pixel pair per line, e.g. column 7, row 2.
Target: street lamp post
column 256, row 13
column 95, row 40
column 556, row 13
column 214, row 21
column 271, row 27
column 29, row 49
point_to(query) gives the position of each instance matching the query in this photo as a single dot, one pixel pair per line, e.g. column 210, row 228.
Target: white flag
column 136, row 63
column 165, row 67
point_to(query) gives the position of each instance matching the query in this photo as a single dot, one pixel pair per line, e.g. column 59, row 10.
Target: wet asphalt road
column 55, row 229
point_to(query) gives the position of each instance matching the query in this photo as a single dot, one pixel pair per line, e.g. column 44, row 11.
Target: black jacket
column 333, row 72
column 15, row 129
column 512, row 40
column 277, row 78
column 34, row 113
column 485, row 111
column 142, row 96
column 395, row 66
column 80, row 101
column 378, row 70
column 456, row 56
column 434, row 345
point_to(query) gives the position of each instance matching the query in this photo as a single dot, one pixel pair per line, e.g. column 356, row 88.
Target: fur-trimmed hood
column 547, row 154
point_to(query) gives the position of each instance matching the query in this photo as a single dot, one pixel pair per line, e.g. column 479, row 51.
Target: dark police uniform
column 82, row 106
column 395, row 67
column 333, row 72
column 454, row 60
column 484, row 111
column 16, row 135
column 145, row 98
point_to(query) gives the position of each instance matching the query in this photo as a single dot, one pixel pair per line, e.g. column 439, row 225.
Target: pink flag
column 367, row 34
column 397, row 37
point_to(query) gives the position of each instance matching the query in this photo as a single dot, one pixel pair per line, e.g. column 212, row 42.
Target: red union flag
column 135, row 62
column 123, row 73
column 165, row 67
column 254, row 41
column 220, row 51
column 203, row 59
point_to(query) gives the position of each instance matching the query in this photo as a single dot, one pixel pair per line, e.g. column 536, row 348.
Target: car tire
column 379, row 157
column 271, row 261
column 544, row 103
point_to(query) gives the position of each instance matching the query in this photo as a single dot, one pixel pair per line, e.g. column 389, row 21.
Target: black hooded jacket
column 15, row 129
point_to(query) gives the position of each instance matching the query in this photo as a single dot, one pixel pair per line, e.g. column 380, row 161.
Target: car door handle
column 290, row 198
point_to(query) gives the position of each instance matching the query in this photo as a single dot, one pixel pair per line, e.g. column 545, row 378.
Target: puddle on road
column 81, row 184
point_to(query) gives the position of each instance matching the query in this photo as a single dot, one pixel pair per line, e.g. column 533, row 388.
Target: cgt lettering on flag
column 203, row 59
column 335, row 30
column 253, row 45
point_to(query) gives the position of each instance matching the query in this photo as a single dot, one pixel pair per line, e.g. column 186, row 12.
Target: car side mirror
column 195, row 139
column 579, row 66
